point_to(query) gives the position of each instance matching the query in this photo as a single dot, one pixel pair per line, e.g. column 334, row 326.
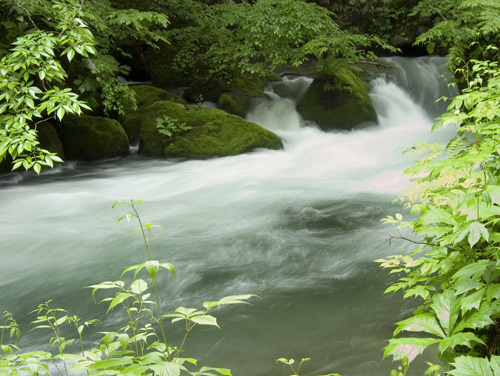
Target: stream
column 299, row 227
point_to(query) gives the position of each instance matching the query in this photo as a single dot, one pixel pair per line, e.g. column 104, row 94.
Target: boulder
column 337, row 98
column 210, row 133
column 145, row 96
column 49, row 139
column 92, row 138
column 237, row 99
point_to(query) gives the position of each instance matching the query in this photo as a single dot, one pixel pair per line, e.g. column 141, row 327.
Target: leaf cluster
column 139, row 347
column 455, row 268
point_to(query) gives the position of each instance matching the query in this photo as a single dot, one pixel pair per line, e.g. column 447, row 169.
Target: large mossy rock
column 337, row 99
column 92, row 138
column 334, row 109
column 49, row 139
column 145, row 96
column 212, row 133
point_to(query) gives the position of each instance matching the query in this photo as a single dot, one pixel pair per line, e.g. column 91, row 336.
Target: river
column 299, row 227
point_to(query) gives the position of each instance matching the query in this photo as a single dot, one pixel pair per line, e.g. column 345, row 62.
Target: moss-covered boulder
column 337, row 98
column 92, row 138
column 145, row 96
column 238, row 98
column 49, row 139
column 211, row 133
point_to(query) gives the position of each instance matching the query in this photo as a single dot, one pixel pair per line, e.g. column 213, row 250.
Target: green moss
column 93, row 138
column 213, row 134
column 145, row 96
column 338, row 97
column 49, row 139
column 235, row 102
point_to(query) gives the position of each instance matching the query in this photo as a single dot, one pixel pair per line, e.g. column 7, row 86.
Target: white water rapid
column 299, row 227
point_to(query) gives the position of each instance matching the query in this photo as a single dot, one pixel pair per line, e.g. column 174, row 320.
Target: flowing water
column 298, row 227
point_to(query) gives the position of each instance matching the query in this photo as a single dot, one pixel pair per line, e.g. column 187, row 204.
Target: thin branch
column 27, row 13
column 437, row 11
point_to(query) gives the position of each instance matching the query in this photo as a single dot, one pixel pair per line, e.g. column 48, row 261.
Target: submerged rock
column 91, row 138
column 209, row 133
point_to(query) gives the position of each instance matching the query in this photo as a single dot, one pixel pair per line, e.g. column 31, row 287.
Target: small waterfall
column 425, row 79
column 278, row 113
column 298, row 227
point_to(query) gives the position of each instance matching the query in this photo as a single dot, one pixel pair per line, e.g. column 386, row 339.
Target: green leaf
column 166, row 369
column 111, row 363
column 138, row 286
column 205, row 320
column 152, row 266
column 459, row 339
column 476, row 231
column 232, row 299
column 446, row 307
column 119, row 298
column 401, row 348
column 420, row 323
column 471, row 366
column 430, row 48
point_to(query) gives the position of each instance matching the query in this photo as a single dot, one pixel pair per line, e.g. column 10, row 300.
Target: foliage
column 53, row 52
column 455, row 267
column 463, row 29
column 139, row 347
column 227, row 37
column 290, row 362
column 168, row 126
column 374, row 17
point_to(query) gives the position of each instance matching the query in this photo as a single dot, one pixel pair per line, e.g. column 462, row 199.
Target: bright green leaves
column 232, row 299
column 192, row 315
column 138, row 348
column 33, row 57
column 472, row 366
column 168, row 126
column 456, row 206
column 152, row 266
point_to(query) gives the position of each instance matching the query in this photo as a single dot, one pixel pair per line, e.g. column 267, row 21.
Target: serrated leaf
column 401, row 348
column 167, row 369
column 471, row 366
column 205, row 320
column 420, row 323
column 446, row 307
column 460, row 339
column 471, row 301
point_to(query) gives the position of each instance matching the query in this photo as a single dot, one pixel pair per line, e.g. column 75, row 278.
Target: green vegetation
column 140, row 347
column 54, row 52
column 62, row 57
column 454, row 267
column 338, row 97
column 206, row 133
column 93, row 138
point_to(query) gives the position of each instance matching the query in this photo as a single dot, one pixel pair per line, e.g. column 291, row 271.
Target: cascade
column 299, row 227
